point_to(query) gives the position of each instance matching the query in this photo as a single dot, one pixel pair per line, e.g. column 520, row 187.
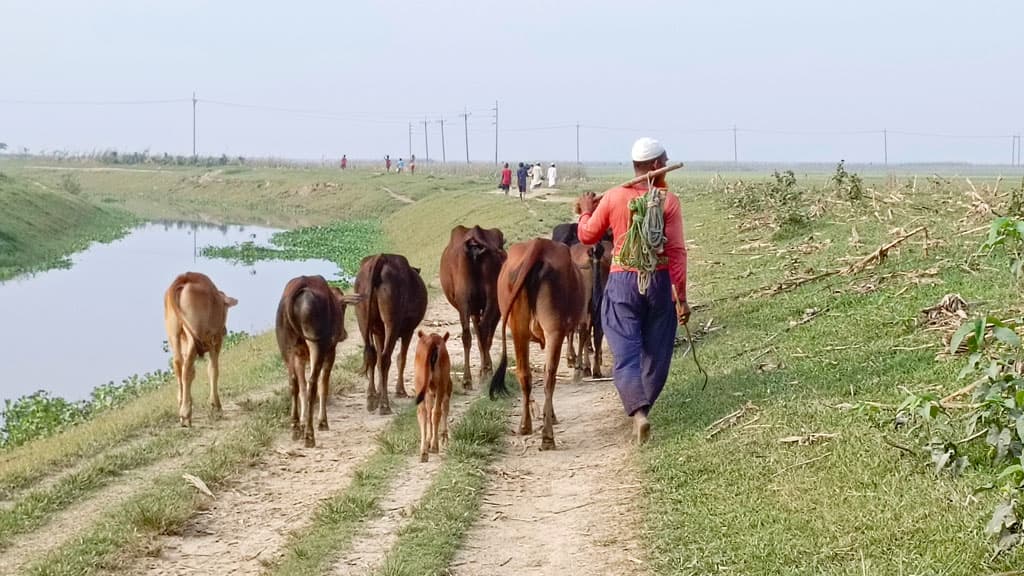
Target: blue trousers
column 641, row 331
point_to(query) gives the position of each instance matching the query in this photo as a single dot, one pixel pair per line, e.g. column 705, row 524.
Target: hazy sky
column 621, row 69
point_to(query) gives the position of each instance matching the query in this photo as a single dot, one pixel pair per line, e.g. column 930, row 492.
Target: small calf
column 433, row 391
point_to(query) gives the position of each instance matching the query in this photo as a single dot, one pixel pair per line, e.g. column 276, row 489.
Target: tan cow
column 540, row 293
column 594, row 263
column 195, row 316
column 433, row 376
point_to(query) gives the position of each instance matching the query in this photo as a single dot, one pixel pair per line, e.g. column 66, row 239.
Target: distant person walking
column 387, row 162
column 521, row 175
column 401, row 165
column 412, row 164
column 538, row 175
column 506, row 179
column 344, row 162
column 552, row 175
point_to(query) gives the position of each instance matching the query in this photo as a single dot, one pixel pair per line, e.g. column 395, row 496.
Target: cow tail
column 596, row 295
column 176, row 289
column 434, row 354
column 369, row 352
column 519, row 277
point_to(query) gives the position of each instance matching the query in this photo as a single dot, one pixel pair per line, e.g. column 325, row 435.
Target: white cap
column 646, row 149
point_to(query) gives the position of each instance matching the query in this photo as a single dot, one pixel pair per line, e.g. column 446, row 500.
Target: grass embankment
column 40, row 225
column 742, row 501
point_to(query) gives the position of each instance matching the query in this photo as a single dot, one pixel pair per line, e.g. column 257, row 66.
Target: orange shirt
column 613, row 212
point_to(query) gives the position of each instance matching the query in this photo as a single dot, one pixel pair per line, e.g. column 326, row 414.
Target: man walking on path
column 387, row 162
column 401, row 165
column 538, row 175
column 506, row 179
column 344, row 161
column 552, row 175
column 637, row 309
column 521, row 175
column 412, row 164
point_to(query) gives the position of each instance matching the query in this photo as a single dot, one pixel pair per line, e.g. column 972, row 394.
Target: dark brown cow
column 396, row 303
column 195, row 316
column 469, row 277
column 540, row 295
column 433, row 378
column 594, row 263
column 310, row 324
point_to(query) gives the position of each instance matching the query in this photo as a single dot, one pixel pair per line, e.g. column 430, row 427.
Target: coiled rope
column 645, row 238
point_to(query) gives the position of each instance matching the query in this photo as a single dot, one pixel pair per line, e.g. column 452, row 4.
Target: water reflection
column 67, row 331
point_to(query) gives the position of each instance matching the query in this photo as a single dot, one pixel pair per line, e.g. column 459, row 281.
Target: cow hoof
column 384, row 410
column 597, row 374
column 547, row 444
column 371, row 404
column 424, row 457
column 184, row 423
column 586, row 371
column 322, row 425
column 400, row 393
column 577, row 376
column 468, row 384
column 296, row 433
column 525, row 430
column 216, row 406
column 434, row 450
column 309, row 442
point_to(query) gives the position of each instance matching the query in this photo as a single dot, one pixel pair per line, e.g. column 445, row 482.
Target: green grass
column 41, row 225
column 247, row 367
column 339, row 518
column 38, row 506
column 428, row 542
column 744, row 503
column 164, row 508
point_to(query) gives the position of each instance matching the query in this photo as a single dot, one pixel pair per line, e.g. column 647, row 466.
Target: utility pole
column 194, row 124
column 885, row 144
column 465, row 126
column 495, row 132
column 426, row 142
column 577, row 143
column 735, row 154
column 410, row 138
column 444, row 157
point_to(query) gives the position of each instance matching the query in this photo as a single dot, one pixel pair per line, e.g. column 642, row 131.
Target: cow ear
column 228, row 300
column 446, row 336
column 416, row 269
column 353, row 298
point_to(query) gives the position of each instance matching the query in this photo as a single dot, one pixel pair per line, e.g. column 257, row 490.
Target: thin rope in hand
column 693, row 347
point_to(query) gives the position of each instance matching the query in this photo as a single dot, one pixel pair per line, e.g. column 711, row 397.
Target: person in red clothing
column 506, row 179
column 344, row 161
column 640, row 326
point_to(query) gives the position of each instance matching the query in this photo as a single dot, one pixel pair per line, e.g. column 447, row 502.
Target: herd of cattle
column 545, row 291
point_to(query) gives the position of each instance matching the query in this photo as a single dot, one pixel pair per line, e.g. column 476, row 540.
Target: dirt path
column 400, row 197
column 572, row 510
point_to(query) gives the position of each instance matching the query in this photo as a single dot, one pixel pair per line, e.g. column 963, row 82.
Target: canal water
column 67, row 331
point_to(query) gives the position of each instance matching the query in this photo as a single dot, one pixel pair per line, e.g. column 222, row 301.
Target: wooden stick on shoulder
column 637, row 180
column 652, row 174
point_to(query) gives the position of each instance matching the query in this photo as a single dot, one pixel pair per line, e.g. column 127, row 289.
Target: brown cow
column 540, row 292
column 594, row 264
column 469, row 277
column 195, row 316
column 396, row 303
column 310, row 324
column 433, row 377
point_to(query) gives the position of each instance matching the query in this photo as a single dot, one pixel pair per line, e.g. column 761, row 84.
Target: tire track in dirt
column 369, row 550
column 572, row 510
column 74, row 520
